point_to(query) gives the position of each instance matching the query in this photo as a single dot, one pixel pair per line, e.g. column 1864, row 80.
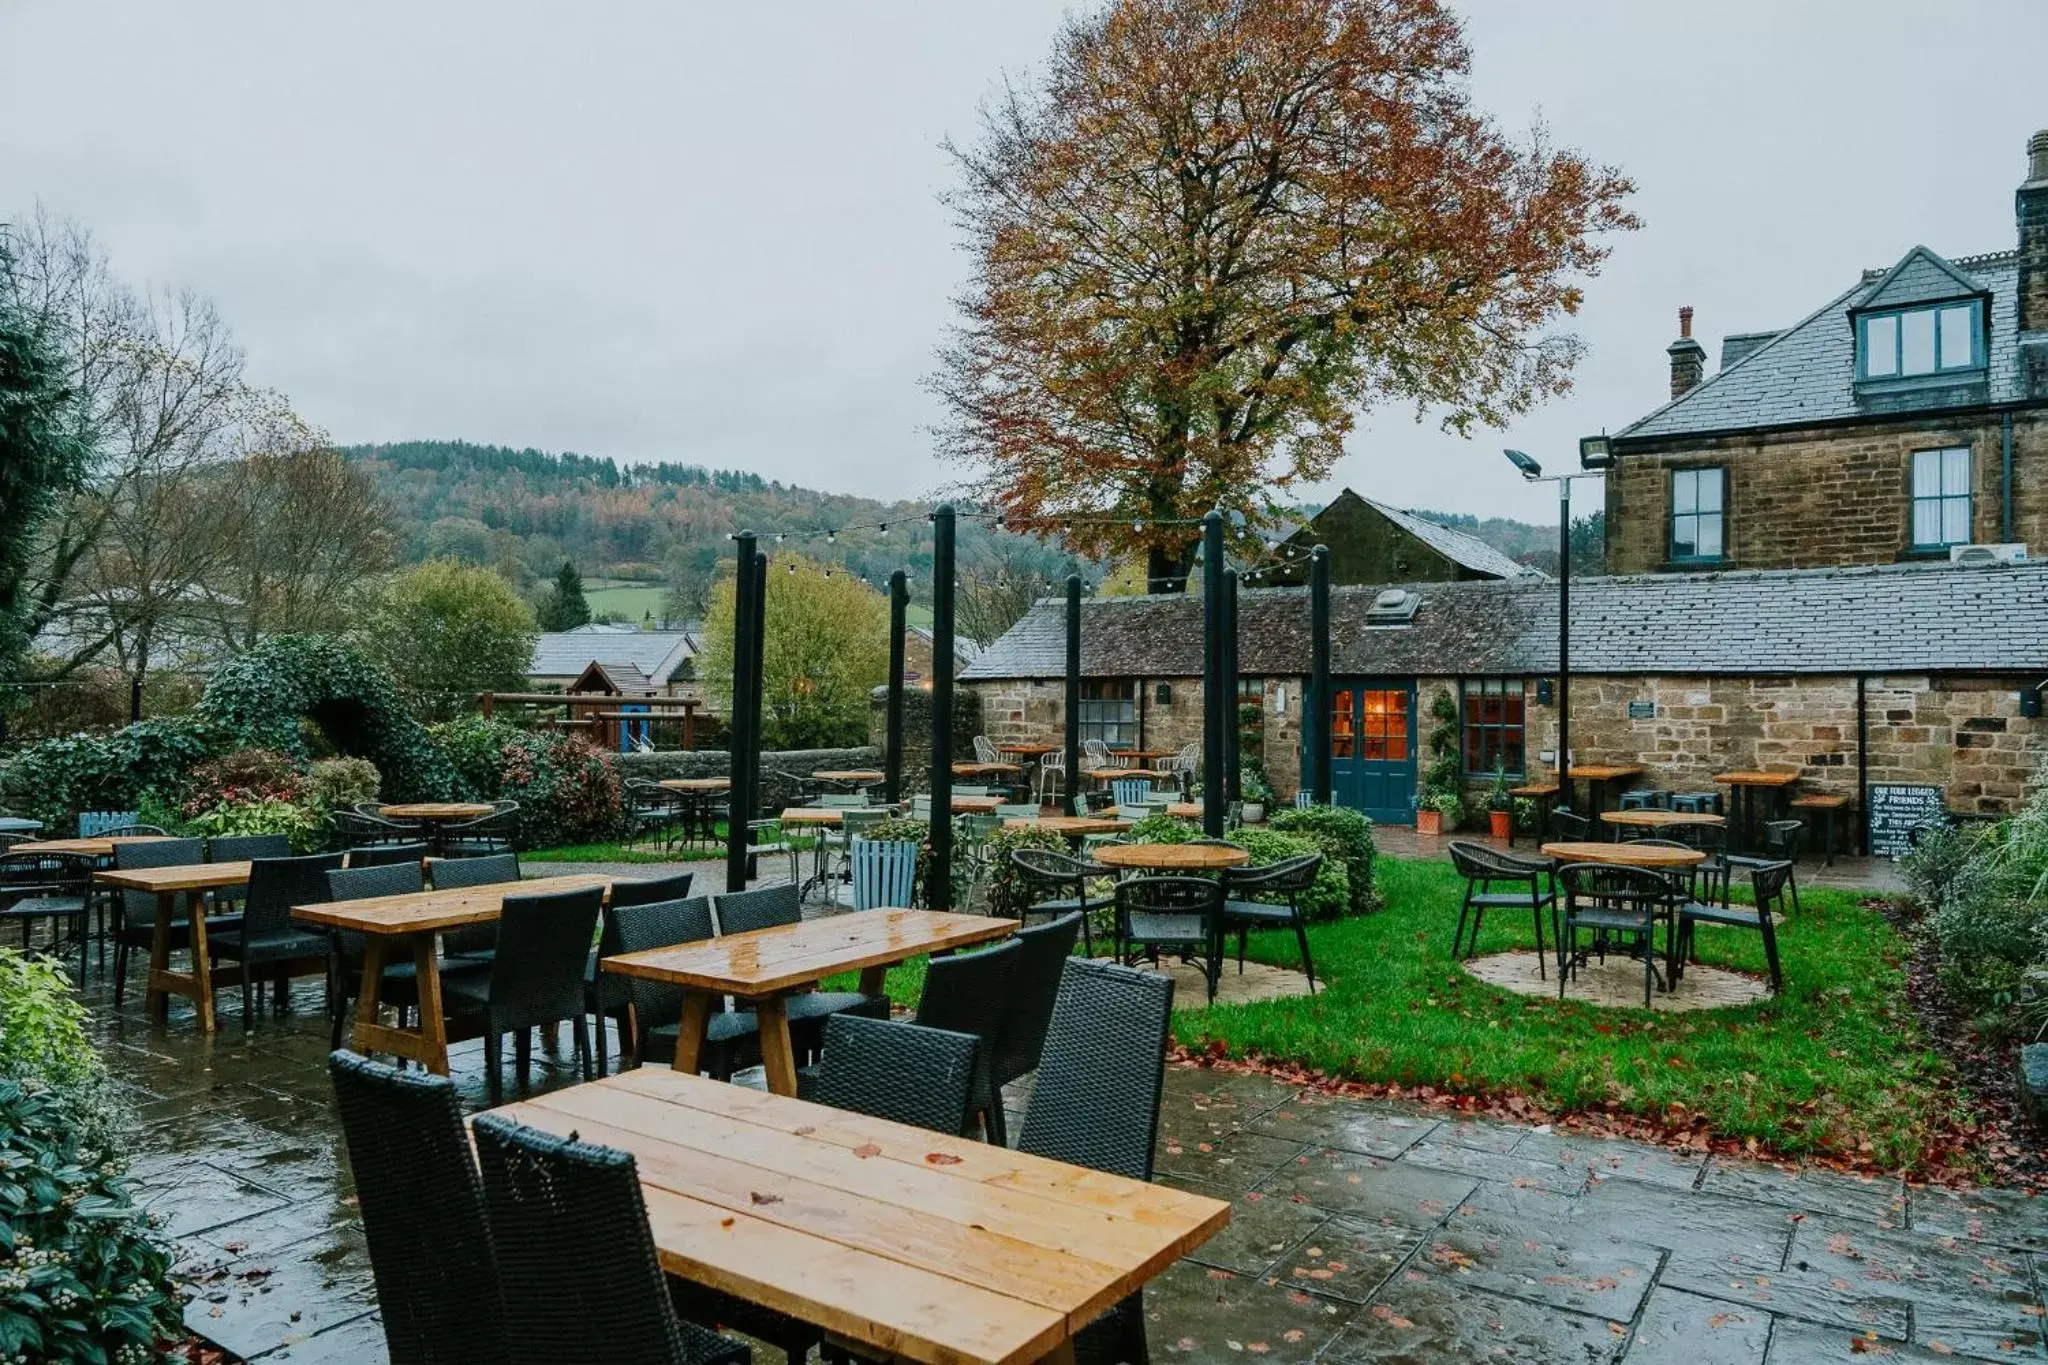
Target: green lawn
column 1837, row 1061
column 642, row 852
column 630, row 600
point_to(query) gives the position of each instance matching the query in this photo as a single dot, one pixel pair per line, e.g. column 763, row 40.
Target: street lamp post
column 1595, row 459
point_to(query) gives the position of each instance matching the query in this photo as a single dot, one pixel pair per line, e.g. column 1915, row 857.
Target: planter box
column 1429, row 822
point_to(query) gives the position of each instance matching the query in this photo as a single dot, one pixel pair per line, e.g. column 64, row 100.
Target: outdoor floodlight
column 1530, row 469
column 1596, row 452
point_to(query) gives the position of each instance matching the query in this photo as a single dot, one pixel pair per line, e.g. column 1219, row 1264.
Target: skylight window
column 1917, row 341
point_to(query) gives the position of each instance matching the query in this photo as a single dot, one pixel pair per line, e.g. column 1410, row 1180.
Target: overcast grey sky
column 710, row 232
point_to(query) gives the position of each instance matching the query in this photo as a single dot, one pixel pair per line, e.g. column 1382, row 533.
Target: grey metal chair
column 1780, row 841
column 536, row 978
column 1096, row 1102
column 1285, row 880
column 1768, row 880
column 268, row 937
column 974, row 993
column 1570, row 825
column 484, row 837
column 423, row 1214
column 1614, row 902
column 577, row 1268
column 45, row 886
column 1502, row 881
column 1179, row 915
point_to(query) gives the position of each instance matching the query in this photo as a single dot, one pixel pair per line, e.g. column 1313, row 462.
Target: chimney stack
column 1688, row 357
column 2030, row 207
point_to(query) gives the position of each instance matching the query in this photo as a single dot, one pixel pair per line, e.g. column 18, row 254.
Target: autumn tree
column 39, row 463
column 825, row 648
column 1215, row 231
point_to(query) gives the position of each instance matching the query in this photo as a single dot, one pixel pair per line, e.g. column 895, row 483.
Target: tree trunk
column 1166, row 571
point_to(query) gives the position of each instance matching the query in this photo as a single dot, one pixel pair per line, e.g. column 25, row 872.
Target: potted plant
column 1500, row 806
column 1256, row 791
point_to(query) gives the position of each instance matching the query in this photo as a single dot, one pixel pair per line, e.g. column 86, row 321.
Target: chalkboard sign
column 1895, row 810
column 1642, row 710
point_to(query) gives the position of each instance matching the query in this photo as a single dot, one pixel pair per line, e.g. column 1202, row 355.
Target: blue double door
column 1372, row 747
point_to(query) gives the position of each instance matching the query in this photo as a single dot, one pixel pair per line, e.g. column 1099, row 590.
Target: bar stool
column 1646, row 798
column 1697, row 803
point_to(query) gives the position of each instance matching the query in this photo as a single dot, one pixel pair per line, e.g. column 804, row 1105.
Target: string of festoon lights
column 1279, row 556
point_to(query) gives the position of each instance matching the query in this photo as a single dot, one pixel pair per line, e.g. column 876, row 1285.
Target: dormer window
column 1907, row 342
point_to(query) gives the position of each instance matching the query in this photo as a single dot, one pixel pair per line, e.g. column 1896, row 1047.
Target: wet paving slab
column 1362, row 1230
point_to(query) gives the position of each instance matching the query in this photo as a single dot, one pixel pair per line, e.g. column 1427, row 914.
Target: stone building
column 1913, row 674
column 1903, row 419
column 1370, row 542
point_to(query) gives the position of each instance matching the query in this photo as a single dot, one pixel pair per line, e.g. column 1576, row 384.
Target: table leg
column 1828, row 820
column 872, row 979
column 156, row 1002
column 1062, row 1354
column 433, row 1025
column 202, row 967
column 778, row 1055
column 690, row 1036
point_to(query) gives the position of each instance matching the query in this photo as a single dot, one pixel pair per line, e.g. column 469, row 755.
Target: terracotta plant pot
column 1498, row 820
column 1429, row 821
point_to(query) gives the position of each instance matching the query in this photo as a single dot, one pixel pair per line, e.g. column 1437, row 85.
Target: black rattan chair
column 423, row 1214
column 1096, row 1103
column 1065, row 880
column 652, row 811
column 364, row 828
column 1769, row 882
column 243, row 848
column 45, row 886
column 478, row 941
column 1780, row 840
column 386, row 855
column 655, row 1009
column 1287, row 878
column 742, row 912
column 267, row 937
column 1034, row 986
column 1180, row 915
column 487, row 836
column 536, row 978
column 576, row 1261
column 135, row 915
column 604, row 999
column 974, row 993
column 1614, row 902
column 1502, row 881
column 906, row 1073
column 398, row 982
column 1569, row 825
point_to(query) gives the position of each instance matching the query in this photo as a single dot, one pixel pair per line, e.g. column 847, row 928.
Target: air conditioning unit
column 1983, row 556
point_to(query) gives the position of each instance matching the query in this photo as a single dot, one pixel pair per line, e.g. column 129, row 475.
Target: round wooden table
column 696, row 784
column 851, row 775
column 1660, row 819
column 1184, row 810
column 1073, row 826
column 435, row 810
column 1627, row 855
column 1171, row 857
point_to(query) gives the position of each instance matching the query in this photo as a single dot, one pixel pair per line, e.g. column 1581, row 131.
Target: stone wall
column 776, row 791
column 1817, row 498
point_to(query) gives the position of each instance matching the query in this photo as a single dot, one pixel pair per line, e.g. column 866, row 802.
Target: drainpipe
column 1863, row 760
column 2005, row 478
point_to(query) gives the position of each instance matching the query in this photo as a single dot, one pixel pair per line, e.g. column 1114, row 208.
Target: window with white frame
column 1941, row 498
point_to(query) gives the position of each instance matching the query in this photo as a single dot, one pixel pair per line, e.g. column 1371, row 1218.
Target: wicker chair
column 1570, row 825
column 1613, row 901
column 423, row 1214
column 605, row 998
column 655, row 1010
column 267, row 937
column 397, row 982
column 906, row 1073
column 1502, row 881
column 360, row 828
column 386, row 855
column 1286, row 879
column 478, row 941
column 487, row 836
column 765, row 907
column 135, row 918
column 1780, row 839
column 974, row 993
column 1066, row 877
column 38, row 886
column 536, row 978
column 243, row 848
column 1181, row 915
column 1096, row 1102
column 576, row 1260
column 1034, row 986
column 1769, row 881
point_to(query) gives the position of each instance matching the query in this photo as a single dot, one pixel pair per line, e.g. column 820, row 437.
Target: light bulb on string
column 831, row 537
column 778, row 537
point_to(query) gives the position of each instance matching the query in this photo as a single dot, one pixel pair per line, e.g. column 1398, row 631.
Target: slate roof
column 659, row 654
column 1894, row 617
column 1457, row 546
column 1806, row 373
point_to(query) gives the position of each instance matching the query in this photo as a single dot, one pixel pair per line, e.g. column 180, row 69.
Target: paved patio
column 1361, row 1231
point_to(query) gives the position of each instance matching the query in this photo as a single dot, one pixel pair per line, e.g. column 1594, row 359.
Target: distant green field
column 630, row 600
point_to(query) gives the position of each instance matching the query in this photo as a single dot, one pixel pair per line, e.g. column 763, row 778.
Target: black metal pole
column 1315, row 723
column 757, row 676
column 938, row 893
column 1233, row 788
column 1564, row 644
column 892, row 753
column 1075, row 805
column 1214, row 799
column 742, row 723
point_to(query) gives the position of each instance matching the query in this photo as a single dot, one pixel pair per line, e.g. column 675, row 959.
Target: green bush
column 1329, row 897
column 264, row 815
column 57, row 778
column 1162, row 829
column 337, row 783
column 1985, row 893
column 1346, row 837
column 245, row 775
column 1010, row 892
column 568, row 791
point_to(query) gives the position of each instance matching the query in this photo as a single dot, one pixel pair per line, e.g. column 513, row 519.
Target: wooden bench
column 1827, row 805
column 1544, row 794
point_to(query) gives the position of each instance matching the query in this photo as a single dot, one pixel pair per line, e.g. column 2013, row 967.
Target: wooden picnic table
column 696, row 784
column 1660, row 819
column 1654, row 856
column 167, row 884
column 1172, row 857
column 395, row 926
column 1074, row 827
column 901, row 1243
column 93, row 847
column 977, row 805
column 766, row 966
